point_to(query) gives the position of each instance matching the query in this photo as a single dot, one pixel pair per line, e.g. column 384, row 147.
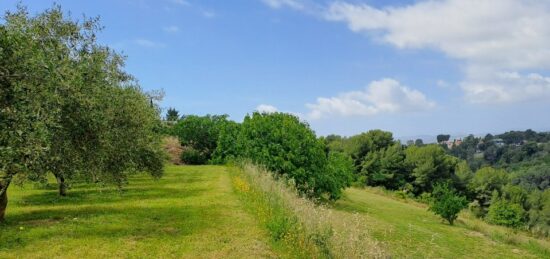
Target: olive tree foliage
column 67, row 107
column 27, row 105
column 287, row 146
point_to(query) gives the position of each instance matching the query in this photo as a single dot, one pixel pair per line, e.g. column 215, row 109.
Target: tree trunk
column 3, row 199
column 62, row 185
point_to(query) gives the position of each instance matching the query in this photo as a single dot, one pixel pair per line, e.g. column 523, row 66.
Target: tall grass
column 506, row 235
column 307, row 229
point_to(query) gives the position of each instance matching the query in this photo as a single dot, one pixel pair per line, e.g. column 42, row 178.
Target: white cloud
column 494, row 38
column 181, row 2
column 149, row 44
column 442, row 84
column 266, row 108
column 383, row 96
column 276, row 4
column 171, row 29
column 208, row 14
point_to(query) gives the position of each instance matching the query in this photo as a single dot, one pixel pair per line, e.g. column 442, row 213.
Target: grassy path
column 409, row 230
column 192, row 212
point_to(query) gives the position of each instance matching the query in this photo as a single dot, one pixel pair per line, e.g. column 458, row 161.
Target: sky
column 344, row 66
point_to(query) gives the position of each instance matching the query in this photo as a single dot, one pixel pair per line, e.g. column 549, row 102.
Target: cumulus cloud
column 276, row 4
column 266, row 108
column 500, row 41
column 383, row 96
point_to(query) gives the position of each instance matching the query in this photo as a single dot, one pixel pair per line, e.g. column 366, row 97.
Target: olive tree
column 67, row 107
column 28, row 104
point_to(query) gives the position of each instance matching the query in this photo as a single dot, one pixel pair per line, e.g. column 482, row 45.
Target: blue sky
column 411, row 67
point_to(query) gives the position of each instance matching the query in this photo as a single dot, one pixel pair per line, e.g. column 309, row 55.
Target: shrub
column 226, row 146
column 340, row 172
column 192, row 156
column 286, row 146
column 539, row 214
column 502, row 212
column 446, row 203
column 199, row 133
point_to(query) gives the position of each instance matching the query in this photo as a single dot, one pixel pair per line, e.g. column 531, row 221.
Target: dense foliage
column 286, row 146
column 505, row 178
column 67, row 107
column 280, row 142
column 199, row 135
column 446, row 202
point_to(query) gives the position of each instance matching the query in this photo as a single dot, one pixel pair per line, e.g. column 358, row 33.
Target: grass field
column 191, row 212
column 194, row 212
column 409, row 230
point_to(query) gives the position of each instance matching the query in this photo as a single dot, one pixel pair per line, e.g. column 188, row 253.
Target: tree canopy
column 67, row 107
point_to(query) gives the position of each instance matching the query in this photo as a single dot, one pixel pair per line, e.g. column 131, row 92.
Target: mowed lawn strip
column 192, row 212
column 409, row 230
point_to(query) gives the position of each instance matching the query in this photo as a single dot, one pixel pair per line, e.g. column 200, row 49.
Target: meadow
column 229, row 212
column 191, row 212
column 408, row 229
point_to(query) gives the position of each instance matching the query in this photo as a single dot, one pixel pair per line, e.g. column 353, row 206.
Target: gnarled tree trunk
column 62, row 185
column 3, row 199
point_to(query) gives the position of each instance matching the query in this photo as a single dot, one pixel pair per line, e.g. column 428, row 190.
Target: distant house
column 452, row 143
column 498, row 142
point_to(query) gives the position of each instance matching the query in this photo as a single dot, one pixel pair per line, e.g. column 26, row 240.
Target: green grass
column 191, row 212
column 408, row 230
column 194, row 211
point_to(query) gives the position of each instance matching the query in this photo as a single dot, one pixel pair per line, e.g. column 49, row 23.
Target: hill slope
column 409, row 230
column 191, row 212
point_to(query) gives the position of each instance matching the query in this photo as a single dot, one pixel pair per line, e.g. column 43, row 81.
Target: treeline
column 68, row 108
column 512, row 190
column 280, row 142
column 323, row 167
column 514, row 150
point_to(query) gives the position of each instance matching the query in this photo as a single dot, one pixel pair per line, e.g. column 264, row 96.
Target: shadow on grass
column 140, row 188
column 96, row 196
column 144, row 209
column 108, row 223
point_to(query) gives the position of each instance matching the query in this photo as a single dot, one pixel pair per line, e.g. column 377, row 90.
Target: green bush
column 286, row 146
column 539, row 214
column 200, row 133
column 446, row 203
column 340, row 171
column 505, row 213
column 192, row 156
